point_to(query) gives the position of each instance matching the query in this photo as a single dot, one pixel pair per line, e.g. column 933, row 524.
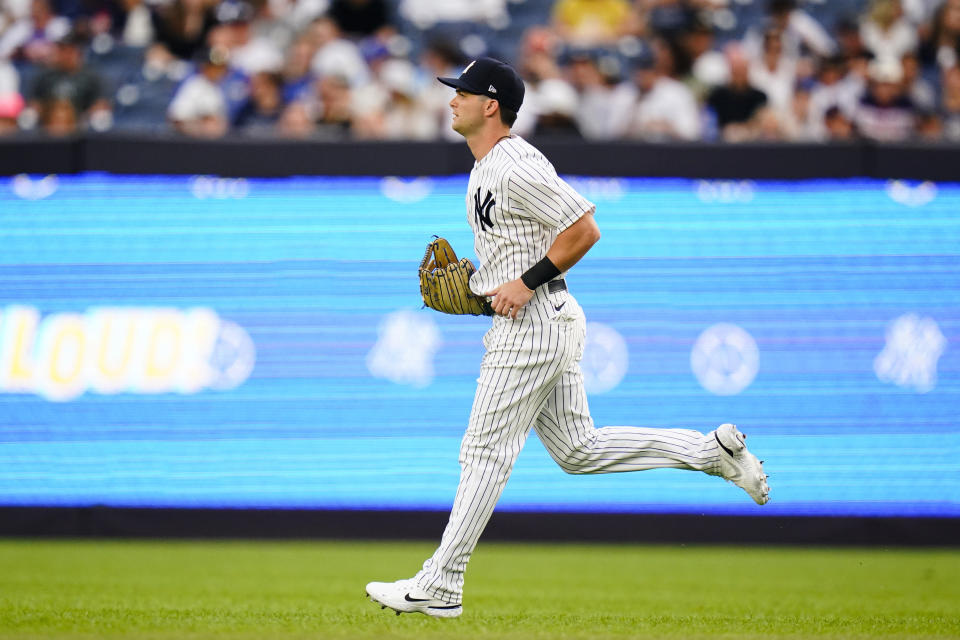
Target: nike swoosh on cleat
column 722, row 446
column 432, row 606
column 409, row 599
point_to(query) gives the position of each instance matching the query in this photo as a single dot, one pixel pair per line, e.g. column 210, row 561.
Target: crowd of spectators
column 659, row 70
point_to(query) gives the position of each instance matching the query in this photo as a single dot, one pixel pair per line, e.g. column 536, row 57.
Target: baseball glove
column 445, row 282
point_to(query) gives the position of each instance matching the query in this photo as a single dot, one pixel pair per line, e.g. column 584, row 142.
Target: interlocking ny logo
column 482, row 209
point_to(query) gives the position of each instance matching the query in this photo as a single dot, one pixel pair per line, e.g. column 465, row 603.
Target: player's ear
column 491, row 107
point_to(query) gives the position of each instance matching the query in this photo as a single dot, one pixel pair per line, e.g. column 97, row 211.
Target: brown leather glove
column 445, row 282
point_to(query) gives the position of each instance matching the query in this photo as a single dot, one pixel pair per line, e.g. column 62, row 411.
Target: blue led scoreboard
column 207, row 342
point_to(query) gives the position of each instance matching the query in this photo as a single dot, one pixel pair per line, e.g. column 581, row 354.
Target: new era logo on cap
column 499, row 78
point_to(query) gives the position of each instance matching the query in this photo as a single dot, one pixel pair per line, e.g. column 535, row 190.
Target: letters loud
column 107, row 350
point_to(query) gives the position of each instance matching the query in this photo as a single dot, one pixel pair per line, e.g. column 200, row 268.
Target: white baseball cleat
column 404, row 596
column 739, row 466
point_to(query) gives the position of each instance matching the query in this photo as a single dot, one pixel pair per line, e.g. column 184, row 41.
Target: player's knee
column 571, row 462
column 485, row 455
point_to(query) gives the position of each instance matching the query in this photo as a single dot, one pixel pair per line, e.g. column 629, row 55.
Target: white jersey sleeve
column 537, row 192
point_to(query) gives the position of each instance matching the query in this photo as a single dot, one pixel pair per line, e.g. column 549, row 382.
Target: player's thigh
column 519, row 372
column 564, row 423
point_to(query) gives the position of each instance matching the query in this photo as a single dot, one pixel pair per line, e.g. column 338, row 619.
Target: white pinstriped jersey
column 516, row 206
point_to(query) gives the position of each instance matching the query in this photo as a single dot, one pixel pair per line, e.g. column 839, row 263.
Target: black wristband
column 543, row 271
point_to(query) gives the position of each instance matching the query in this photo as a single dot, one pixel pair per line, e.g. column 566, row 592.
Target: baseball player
column 530, row 227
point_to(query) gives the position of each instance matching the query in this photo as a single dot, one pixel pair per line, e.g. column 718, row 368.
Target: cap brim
column 457, row 83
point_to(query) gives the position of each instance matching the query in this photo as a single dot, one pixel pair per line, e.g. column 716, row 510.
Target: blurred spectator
column 885, row 31
column 296, row 121
column 885, row 113
column 539, row 50
column 849, row 42
column 440, row 58
column 134, row 26
column 424, row 14
column 929, row 126
column 941, row 47
column 11, row 104
column 950, row 104
column 331, row 108
column 556, row 101
column 199, row 107
column 800, row 31
column 767, row 125
column 774, row 73
column 125, row 21
column 263, row 108
column 158, row 63
column 335, row 55
column 920, row 12
column 377, row 52
column 919, row 90
column 269, row 23
column 593, row 22
column 11, row 11
column 182, row 25
column 32, row 38
column 606, row 105
column 796, row 123
column 235, row 83
column 705, row 67
column 857, row 71
column 830, row 92
column 295, row 14
column 667, row 18
column 69, row 79
column 667, row 108
column 143, row 98
column 297, row 78
column 249, row 54
column 393, row 111
column 584, row 73
column 58, row 118
column 9, row 78
column 405, row 116
column 341, row 71
column 735, row 103
column 838, row 127
column 359, row 18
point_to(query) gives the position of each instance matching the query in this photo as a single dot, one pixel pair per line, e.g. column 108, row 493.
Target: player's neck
column 483, row 141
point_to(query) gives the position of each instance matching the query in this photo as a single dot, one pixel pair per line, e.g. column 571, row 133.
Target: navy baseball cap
column 491, row 78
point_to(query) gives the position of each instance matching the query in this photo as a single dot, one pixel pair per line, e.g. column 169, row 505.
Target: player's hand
column 509, row 298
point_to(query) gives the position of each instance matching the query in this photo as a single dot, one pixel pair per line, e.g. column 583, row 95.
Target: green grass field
column 226, row 590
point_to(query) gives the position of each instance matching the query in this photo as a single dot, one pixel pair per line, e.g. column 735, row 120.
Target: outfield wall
column 191, row 348
column 238, row 157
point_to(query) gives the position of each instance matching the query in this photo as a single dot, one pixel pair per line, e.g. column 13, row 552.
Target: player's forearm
column 574, row 242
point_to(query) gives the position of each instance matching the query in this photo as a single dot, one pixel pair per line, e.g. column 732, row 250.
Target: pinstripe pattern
column 530, row 375
column 532, row 205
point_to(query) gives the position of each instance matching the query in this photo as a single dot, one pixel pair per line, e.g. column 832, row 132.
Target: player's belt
column 556, row 285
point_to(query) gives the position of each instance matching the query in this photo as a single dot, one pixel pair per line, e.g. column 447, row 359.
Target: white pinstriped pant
column 530, row 377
